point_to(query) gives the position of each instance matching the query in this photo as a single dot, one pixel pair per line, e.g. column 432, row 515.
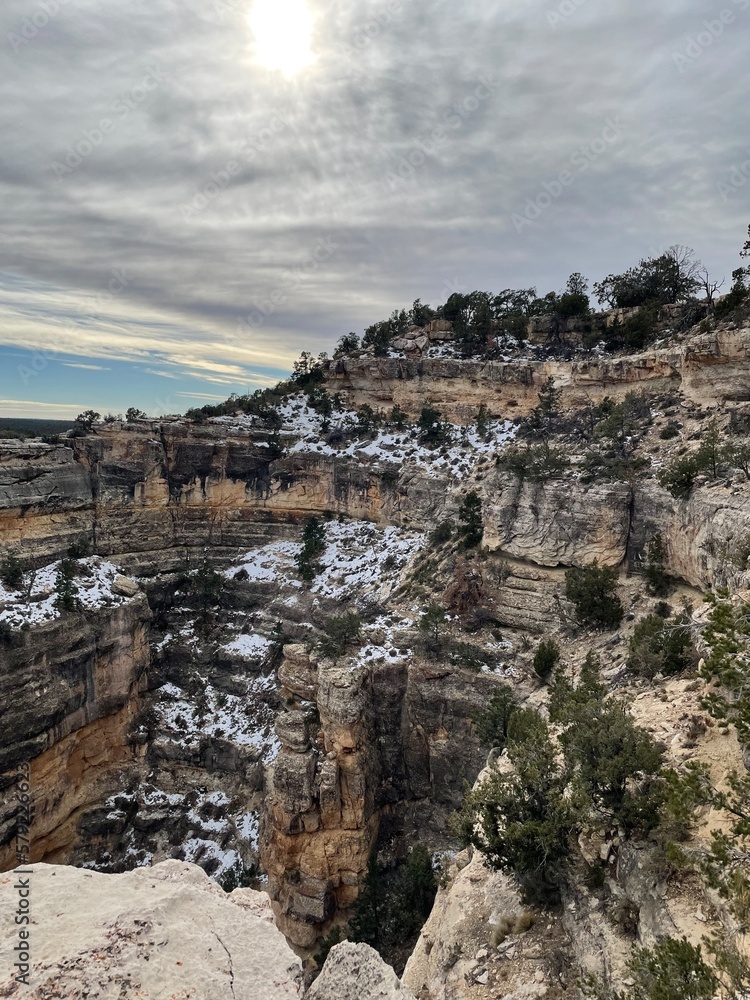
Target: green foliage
column 346, row 346
column 11, row 572
column 727, row 663
column 86, row 420
column 537, row 463
column 80, row 548
column 661, row 647
column 308, row 370
column 340, row 632
column 668, row 278
column 543, row 419
column 471, row 523
column 736, row 296
column 398, row 418
column 592, row 590
column 546, row 658
column 493, row 722
column 132, row 414
column 635, row 332
column 673, row 969
column 442, row 533
column 238, row 877
column 658, row 581
column 432, row 429
column 393, row 904
column 606, row 770
column 421, row 314
column 313, row 545
column 679, row 477
column 432, row 623
column 522, row 820
column 613, row 763
column 66, row 591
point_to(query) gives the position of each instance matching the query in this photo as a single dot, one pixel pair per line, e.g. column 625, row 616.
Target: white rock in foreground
column 356, row 972
column 166, row 932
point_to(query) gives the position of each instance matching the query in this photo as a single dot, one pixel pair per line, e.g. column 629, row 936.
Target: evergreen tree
column 471, row 520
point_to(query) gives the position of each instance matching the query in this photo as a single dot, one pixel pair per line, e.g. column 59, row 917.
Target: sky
column 195, row 191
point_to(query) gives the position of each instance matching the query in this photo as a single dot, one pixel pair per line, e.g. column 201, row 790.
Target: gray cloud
column 381, row 148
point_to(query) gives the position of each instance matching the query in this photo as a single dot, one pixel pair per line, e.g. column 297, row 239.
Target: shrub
column 672, row 970
column 85, row 421
column 11, row 572
column 492, row 723
column 340, row 632
column 393, row 904
column 442, row 533
column 432, row 429
column 661, row 647
column 535, row 462
column 132, row 414
column 66, row 591
column 522, row 820
column 671, row 431
column 79, row 549
column 546, row 658
column 679, row 477
column 658, row 581
column 432, row 623
column 592, row 590
column 313, row 545
column 470, row 519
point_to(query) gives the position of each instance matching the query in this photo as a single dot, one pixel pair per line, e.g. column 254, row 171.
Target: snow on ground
column 94, row 586
column 214, row 834
column 359, row 559
column 456, row 455
column 249, row 647
column 384, row 642
column 244, row 720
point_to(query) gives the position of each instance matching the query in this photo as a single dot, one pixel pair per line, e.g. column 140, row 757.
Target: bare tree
column 709, row 286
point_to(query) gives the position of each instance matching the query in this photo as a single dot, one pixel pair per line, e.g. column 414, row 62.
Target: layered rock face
column 709, row 367
column 152, row 496
column 162, row 931
column 363, row 750
column 69, row 692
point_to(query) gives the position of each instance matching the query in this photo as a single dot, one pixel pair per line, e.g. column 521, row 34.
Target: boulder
column 357, row 972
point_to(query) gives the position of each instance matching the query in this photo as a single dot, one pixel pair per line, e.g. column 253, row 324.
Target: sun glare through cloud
column 283, row 34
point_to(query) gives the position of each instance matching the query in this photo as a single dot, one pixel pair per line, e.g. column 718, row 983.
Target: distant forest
column 23, row 427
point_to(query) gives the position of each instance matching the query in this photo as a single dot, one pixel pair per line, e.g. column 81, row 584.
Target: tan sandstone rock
column 166, row 931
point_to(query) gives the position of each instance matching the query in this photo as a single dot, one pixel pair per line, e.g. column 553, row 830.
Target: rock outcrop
column 707, row 367
column 153, row 932
column 69, row 693
column 356, row 972
column 361, row 746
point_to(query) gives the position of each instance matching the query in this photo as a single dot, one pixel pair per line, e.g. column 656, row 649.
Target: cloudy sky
column 194, row 191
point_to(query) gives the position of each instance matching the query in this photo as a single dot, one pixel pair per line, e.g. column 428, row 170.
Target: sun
column 283, row 33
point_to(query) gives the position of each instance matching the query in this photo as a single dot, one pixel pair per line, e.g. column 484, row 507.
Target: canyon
column 164, row 721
